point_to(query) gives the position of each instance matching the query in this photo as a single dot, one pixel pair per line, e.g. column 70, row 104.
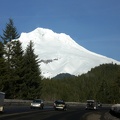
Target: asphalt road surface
column 48, row 113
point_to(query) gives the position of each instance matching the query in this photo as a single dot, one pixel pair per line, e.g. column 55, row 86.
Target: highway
column 48, row 113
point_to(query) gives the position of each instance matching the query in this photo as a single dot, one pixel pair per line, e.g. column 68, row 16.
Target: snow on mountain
column 59, row 53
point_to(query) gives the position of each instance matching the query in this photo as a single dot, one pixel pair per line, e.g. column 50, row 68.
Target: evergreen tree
column 3, row 67
column 10, row 32
column 16, row 64
column 9, row 71
column 32, row 78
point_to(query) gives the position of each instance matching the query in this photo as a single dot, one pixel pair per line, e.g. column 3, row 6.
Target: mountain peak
column 59, row 53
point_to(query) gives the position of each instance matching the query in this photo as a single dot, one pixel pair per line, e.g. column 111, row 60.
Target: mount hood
column 59, row 53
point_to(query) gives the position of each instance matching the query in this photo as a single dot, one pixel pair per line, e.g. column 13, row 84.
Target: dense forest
column 102, row 83
column 20, row 76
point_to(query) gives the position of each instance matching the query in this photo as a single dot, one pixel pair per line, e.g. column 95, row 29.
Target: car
column 60, row 105
column 115, row 110
column 91, row 105
column 37, row 103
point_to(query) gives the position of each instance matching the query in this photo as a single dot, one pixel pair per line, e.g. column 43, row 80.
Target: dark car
column 91, row 104
column 60, row 105
column 37, row 103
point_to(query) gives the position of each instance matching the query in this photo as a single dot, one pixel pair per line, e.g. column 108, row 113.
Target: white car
column 37, row 103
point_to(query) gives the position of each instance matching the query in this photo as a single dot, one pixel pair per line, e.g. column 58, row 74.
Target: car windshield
column 59, row 102
column 90, row 102
column 36, row 101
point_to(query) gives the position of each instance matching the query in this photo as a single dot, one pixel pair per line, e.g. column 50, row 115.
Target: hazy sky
column 93, row 24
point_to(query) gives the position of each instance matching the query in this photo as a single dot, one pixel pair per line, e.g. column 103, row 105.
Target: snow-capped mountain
column 59, row 53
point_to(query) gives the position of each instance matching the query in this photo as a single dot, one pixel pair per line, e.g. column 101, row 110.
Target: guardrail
column 27, row 102
column 16, row 102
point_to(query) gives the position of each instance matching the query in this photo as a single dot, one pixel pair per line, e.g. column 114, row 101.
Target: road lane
column 73, row 113
column 19, row 109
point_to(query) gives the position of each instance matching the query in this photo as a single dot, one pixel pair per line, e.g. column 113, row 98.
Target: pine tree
column 10, row 32
column 16, row 64
column 32, row 78
column 17, row 57
column 3, row 67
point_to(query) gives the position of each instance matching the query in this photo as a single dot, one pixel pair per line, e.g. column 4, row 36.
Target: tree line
column 101, row 83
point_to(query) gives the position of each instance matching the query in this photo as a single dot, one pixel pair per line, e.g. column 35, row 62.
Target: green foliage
column 10, row 32
column 16, row 64
column 102, row 83
column 3, row 67
column 20, row 76
column 32, row 74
